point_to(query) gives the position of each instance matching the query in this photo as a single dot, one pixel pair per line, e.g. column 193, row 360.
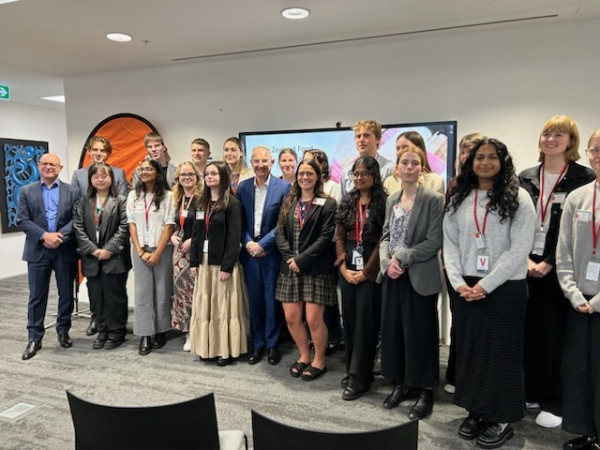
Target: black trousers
column 108, row 294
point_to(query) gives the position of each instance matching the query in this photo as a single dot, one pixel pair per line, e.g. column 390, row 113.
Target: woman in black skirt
column 488, row 234
column 306, row 280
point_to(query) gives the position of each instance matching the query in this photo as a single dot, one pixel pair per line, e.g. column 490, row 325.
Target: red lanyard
column 234, row 183
column 98, row 212
column 147, row 209
column 209, row 211
column 303, row 212
column 487, row 210
column 595, row 230
column 544, row 210
column 183, row 209
column 361, row 216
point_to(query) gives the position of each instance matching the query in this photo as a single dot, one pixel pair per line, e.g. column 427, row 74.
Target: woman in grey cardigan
column 488, row 234
column 411, row 239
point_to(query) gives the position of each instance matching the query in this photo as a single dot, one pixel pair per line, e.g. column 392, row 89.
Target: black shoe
column 145, row 346
column 580, row 443
column 423, row 405
column 471, row 427
column 398, row 395
column 99, row 341
column 92, row 328
column 222, row 362
column 160, row 339
column 332, row 346
column 493, row 436
column 351, row 393
column 112, row 343
column 273, row 356
column 64, row 340
column 344, row 382
column 256, row 355
column 31, row 349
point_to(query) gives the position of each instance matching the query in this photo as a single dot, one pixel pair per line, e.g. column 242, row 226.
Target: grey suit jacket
column 113, row 236
column 31, row 218
column 80, row 180
column 424, row 240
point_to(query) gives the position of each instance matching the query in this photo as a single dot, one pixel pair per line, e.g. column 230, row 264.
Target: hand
column 254, row 249
column 101, row 254
column 538, row 270
column 586, row 308
column 52, row 240
column 175, row 240
column 194, row 271
column 224, row 276
column 292, row 265
column 151, row 259
column 185, row 245
column 359, row 276
column 347, row 274
column 394, row 270
column 471, row 294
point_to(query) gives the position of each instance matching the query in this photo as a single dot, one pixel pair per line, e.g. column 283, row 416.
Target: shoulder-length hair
column 562, row 124
column 241, row 165
column 160, row 184
column 346, row 214
column 296, row 192
column 101, row 167
column 224, row 187
column 503, row 196
column 178, row 191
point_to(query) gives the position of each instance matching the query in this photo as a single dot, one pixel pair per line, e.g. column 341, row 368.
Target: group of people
column 225, row 253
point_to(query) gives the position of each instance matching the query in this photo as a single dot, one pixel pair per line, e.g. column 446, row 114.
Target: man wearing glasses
column 261, row 198
column 45, row 214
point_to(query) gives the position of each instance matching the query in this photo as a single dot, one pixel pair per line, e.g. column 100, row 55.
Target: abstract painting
column 18, row 168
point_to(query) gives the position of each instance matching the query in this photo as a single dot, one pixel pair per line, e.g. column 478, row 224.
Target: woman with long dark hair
column 100, row 225
column 488, row 234
column 219, row 325
column 306, row 279
column 151, row 214
column 186, row 193
column 359, row 222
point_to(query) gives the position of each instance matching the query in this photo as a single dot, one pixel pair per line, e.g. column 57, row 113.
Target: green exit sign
column 4, row 92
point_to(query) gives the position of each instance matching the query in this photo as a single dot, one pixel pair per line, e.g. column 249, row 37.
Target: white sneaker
column 187, row 346
column 532, row 405
column 449, row 388
column 548, row 420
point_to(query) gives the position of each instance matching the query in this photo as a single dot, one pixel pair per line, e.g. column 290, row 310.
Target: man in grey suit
column 45, row 214
column 98, row 149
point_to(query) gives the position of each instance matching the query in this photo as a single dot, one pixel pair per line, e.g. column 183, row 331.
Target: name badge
column 592, row 271
column 199, row 215
column 582, row 216
column 319, row 201
column 539, row 243
column 184, row 213
column 559, row 197
column 97, row 236
column 357, row 260
column 205, row 248
column 479, row 242
column 148, row 238
column 483, row 263
column 398, row 211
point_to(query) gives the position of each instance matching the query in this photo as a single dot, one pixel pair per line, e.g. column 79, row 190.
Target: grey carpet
column 122, row 377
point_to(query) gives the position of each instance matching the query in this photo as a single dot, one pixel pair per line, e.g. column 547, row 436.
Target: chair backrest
column 190, row 424
column 271, row 435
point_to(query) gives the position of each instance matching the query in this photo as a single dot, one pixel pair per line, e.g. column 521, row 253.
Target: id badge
column 97, row 236
column 357, row 260
column 184, row 213
column 205, row 248
column 398, row 211
column 539, row 243
column 582, row 216
column 592, row 271
column 483, row 263
column 199, row 215
column 479, row 242
column 148, row 238
column 559, row 197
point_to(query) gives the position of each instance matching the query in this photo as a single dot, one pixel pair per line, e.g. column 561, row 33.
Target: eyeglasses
column 592, row 151
column 53, row 165
column 187, row 175
column 146, row 169
column 361, row 174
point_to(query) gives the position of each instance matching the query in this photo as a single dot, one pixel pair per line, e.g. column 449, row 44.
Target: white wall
column 504, row 82
column 19, row 121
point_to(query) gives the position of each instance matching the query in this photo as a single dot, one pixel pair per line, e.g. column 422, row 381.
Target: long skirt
column 220, row 323
column 183, row 290
column 489, row 352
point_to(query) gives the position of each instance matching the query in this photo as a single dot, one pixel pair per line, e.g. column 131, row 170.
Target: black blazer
column 576, row 176
column 315, row 255
column 114, row 236
column 224, row 234
column 188, row 224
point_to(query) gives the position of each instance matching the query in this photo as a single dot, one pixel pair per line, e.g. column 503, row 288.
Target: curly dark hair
column 346, row 213
column 503, row 196
column 160, row 184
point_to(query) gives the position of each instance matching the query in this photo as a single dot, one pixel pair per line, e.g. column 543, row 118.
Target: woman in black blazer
column 306, row 280
column 103, row 242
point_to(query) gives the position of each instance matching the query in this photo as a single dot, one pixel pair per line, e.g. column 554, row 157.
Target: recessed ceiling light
column 118, row 37
column 55, row 98
column 295, row 13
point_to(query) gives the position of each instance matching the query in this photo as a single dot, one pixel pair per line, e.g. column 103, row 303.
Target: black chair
column 190, row 425
column 271, row 435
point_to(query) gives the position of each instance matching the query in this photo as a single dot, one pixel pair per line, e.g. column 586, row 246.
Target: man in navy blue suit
column 45, row 214
column 261, row 199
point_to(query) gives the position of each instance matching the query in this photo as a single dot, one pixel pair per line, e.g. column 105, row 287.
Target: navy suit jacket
column 31, row 218
column 276, row 192
column 80, row 180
